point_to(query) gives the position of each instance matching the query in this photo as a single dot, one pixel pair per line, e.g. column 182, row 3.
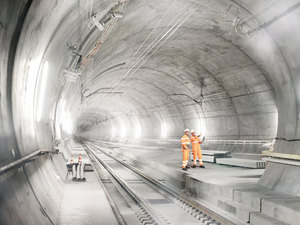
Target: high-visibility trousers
column 78, row 170
column 185, row 160
column 197, row 153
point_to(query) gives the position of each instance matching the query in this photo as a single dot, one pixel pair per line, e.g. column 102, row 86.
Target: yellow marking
column 281, row 155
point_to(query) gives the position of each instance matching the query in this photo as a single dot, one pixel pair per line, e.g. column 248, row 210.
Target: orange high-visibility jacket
column 185, row 141
column 195, row 143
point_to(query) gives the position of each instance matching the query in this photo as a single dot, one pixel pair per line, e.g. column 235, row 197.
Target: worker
column 196, row 149
column 71, row 166
column 185, row 142
column 80, row 170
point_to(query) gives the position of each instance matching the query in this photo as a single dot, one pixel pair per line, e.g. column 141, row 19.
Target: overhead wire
column 155, row 50
column 157, row 24
column 132, row 57
column 152, row 45
column 104, row 35
column 162, row 39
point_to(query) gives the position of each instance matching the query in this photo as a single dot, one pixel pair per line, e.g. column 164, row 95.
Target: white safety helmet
column 192, row 131
column 186, row 130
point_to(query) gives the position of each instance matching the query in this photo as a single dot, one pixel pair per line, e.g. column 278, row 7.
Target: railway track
column 151, row 201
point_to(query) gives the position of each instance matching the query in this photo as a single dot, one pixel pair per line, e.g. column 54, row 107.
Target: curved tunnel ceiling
column 227, row 68
column 203, row 58
column 188, row 61
column 221, row 67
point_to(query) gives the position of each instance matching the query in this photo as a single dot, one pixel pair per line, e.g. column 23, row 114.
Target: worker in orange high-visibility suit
column 196, row 149
column 185, row 142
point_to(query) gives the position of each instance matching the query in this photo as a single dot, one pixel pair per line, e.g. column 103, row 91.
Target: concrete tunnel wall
column 250, row 86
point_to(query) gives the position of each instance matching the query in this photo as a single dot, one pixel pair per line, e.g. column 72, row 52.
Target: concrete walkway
column 85, row 203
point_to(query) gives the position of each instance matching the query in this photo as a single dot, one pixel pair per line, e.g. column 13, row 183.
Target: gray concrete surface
column 247, row 73
column 85, row 203
column 233, row 192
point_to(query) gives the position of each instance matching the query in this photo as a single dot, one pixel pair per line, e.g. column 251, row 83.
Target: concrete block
column 236, row 210
column 208, row 158
column 219, row 154
column 261, row 219
column 248, row 163
column 248, row 199
column 212, row 155
column 251, row 197
column 200, row 188
column 284, row 209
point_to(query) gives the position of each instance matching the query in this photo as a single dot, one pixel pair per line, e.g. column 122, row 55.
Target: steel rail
column 189, row 204
column 151, row 216
column 23, row 160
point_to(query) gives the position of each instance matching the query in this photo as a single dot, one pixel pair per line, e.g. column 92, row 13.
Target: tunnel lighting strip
column 148, row 211
column 221, row 141
column 197, row 210
column 241, row 141
column 22, row 160
column 282, row 161
column 281, row 155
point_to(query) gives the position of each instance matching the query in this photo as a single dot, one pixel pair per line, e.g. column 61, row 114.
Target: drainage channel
column 170, row 206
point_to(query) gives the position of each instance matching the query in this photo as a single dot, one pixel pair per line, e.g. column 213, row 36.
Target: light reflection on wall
column 113, row 131
column 67, row 122
column 42, row 90
column 29, row 107
column 138, row 130
column 164, row 129
column 122, row 131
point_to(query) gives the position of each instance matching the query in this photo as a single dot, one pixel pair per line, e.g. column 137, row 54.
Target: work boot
column 194, row 166
column 74, row 178
column 202, row 166
column 78, row 179
column 83, row 179
column 187, row 167
column 184, row 168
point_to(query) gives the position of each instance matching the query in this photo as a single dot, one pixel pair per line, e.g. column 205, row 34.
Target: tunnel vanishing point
column 137, row 72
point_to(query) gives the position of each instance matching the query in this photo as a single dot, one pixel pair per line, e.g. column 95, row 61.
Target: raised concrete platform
column 231, row 191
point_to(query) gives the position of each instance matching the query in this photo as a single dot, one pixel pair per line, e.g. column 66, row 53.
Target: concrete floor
column 229, row 69
column 233, row 192
column 85, row 203
column 170, row 159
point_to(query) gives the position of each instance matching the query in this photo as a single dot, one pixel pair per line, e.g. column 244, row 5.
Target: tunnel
column 135, row 74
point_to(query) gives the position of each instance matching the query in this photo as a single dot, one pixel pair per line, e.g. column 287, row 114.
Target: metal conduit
column 23, row 160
